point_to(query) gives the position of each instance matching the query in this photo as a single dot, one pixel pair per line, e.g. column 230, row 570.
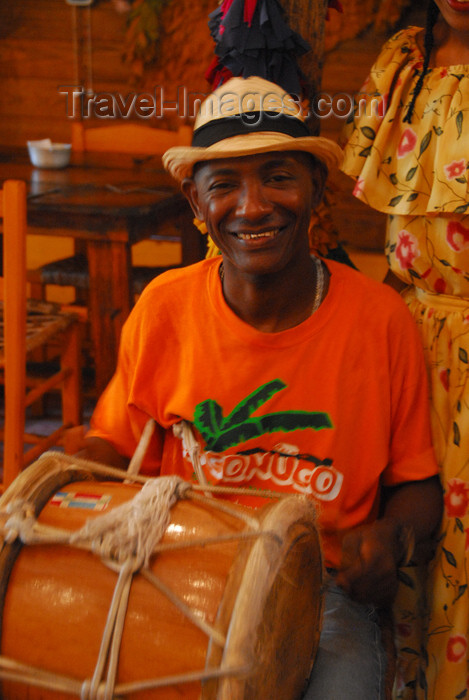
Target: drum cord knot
column 132, row 530
column 21, row 522
column 190, row 446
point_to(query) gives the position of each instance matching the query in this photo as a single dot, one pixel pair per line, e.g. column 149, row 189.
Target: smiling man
column 297, row 376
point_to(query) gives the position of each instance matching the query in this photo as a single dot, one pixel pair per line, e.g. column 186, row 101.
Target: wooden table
column 108, row 201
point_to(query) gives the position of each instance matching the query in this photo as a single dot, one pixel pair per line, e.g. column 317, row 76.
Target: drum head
column 273, row 608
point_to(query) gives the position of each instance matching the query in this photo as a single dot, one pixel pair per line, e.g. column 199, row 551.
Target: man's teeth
column 264, row 234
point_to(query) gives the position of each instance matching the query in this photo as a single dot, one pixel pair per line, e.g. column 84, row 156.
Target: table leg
column 109, row 301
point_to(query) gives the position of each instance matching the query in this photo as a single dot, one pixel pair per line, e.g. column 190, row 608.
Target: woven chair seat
column 44, row 321
column 73, row 272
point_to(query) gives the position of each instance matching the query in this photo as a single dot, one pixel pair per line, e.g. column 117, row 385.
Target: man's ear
column 189, row 190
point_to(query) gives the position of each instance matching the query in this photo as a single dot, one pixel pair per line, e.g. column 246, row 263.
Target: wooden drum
column 228, row 605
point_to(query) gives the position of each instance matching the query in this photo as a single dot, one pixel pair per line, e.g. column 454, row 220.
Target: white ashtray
column 46, row 154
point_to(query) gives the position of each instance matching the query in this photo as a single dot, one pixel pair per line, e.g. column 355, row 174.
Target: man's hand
column 371, row 554
column 370, row 557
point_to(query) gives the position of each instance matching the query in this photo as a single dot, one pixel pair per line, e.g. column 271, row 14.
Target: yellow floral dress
column 418, row 174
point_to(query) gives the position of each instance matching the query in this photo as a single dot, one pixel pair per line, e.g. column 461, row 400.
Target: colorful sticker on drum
column 76, row 499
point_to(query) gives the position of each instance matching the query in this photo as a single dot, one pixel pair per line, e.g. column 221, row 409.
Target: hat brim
column 180, row 160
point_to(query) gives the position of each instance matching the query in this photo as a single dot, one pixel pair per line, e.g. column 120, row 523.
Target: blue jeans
column 351, row 661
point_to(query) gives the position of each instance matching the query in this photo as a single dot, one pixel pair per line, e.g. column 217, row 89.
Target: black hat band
column 248, row 123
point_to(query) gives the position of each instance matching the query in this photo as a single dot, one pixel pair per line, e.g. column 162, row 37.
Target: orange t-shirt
column 331, row 408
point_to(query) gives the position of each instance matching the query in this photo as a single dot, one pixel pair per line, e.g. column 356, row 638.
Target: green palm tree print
column 220, row 433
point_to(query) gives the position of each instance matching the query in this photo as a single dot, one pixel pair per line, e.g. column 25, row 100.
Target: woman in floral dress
column 409, row 154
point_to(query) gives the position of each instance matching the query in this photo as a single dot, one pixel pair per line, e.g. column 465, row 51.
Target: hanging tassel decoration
column 252, row 37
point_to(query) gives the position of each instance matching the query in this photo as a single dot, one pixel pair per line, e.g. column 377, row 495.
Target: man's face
column 257, row 208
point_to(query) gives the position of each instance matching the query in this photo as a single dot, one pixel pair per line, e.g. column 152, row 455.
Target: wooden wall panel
column 20, row 58
column 44, row 44
column 41, row 46
column 38, row 53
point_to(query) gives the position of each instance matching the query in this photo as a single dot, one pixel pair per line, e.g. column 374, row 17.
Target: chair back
column 128, row 138
column 13, row 216
column 33, row 331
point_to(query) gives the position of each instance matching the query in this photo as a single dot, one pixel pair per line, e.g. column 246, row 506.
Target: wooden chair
column 26, row 327
column 131, row 138
column 128, row 138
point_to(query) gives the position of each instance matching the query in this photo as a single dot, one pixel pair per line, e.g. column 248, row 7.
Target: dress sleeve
column 411, row 168
column 371, row 102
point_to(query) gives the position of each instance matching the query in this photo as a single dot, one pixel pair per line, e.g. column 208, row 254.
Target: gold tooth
column 264, row 234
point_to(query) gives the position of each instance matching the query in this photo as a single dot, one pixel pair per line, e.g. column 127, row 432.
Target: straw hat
column 245, row 116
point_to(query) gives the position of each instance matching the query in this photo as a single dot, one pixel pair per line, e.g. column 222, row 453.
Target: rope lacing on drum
column 125, row 539
column 130, row 531
column 183, row 431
